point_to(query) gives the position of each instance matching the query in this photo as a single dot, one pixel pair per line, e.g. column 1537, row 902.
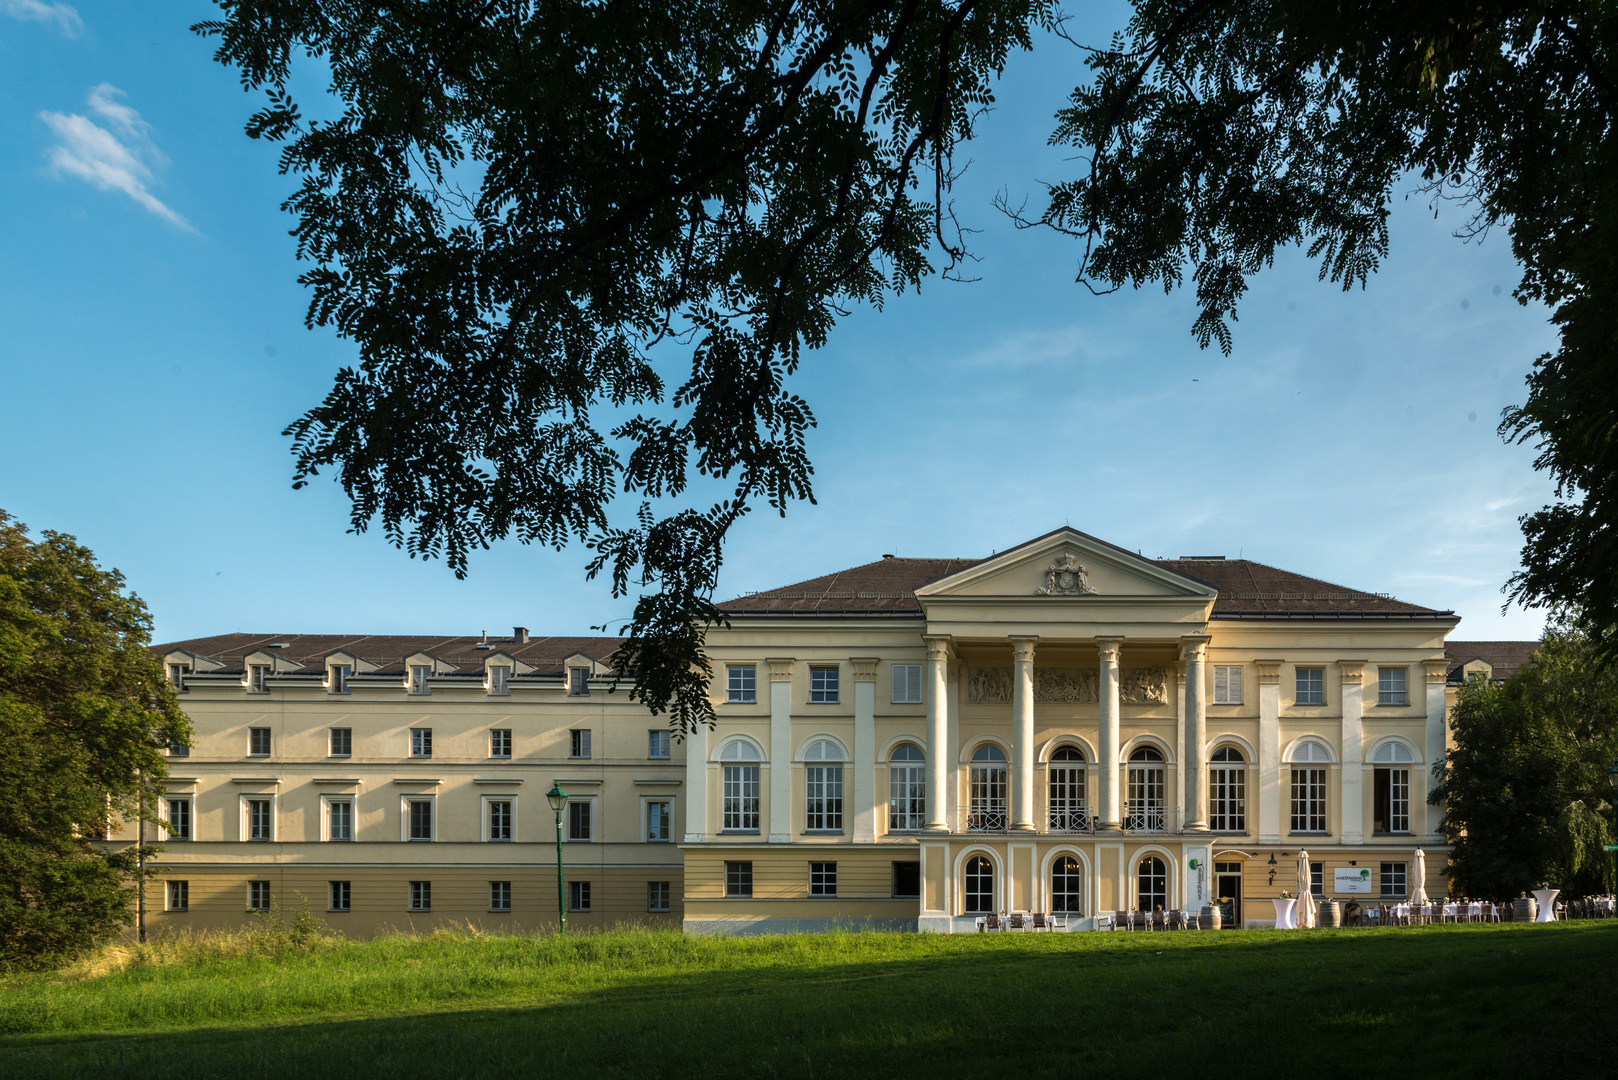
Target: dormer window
column 337, row 683
column 258, row 678
column 177, row 674
column 498, row 680
column 578, row 681
column 419, row 676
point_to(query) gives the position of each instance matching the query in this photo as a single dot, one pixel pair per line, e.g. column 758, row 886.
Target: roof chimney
column 520, row 634
column 887, row 556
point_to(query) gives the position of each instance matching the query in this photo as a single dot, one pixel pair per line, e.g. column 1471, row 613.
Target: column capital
column 1437, row 670
column 864, row 668
column 1022, row 647
column 1109, row 647
column 1269, row 672
column 938, row 646
column 781, row 668
column 1353, row 670
column 1193, row 646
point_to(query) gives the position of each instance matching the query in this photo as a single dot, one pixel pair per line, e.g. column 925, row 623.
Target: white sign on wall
column 1197, row 872
column 1350, row 880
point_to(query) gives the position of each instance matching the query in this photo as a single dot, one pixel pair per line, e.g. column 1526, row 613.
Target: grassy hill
column 1517, row 1000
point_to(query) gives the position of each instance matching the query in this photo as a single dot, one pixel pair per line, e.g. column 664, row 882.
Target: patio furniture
column 1106, row 921
column 1016, row 921
column 1547, row 904
column 992, row 921
column 1285, row 913
column 1124, row 920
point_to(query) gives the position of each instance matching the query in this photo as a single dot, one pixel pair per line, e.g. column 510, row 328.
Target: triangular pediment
column 1063, row 566
column 355, row 663
column 272, row 660
column 505, row 659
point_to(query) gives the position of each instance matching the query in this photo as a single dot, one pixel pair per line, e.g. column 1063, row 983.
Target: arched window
column 1390, row 753
column 1151, row 885
column 1227, row 791
column 1067, row 886
column 1390, row 796
column 1309, row 759
column 1146, row 811
column 1066, row 804
column 907, row 789
column 979, row 893
column 987, row 788
column 739, row 787
column 823, row 787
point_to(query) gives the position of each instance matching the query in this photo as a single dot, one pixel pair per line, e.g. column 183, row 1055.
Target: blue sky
column 154, row 348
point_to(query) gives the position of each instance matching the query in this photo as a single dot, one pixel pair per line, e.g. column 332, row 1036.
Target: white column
column 696, row 786
column 1269, row 751
column 1183, row 754
column 1022, row 733
column 1194, row 811
column 937, row 734
column 1107, row 751
column 1352, row 829
column 781, row 750
column 865, row 805
column 952, row 738
column 1437, row 746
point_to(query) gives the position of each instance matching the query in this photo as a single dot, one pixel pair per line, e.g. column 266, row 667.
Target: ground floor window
column 822, row 879
column 499, row 896
column 179, row 896
column 578, row 896
column 1067, row 886
column 906, row 879
column 1151, row 884
column 1393, row 879
column 421, row 896
column 738, row 879
column 340, row 896
column 979, row 885
column 657, row 896
column 258, row 896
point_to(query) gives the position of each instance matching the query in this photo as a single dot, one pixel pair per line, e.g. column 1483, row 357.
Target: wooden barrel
column 1210, row 918
column 1523, row 909
column 1331, row 913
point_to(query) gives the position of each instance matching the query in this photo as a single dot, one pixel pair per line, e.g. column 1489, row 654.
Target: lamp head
column 558, row 797
column 1272, row 858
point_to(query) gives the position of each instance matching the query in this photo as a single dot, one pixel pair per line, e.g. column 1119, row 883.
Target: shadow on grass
column 1440, row 1002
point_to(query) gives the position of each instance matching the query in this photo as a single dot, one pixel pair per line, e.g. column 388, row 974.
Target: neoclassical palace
column 1064, row 727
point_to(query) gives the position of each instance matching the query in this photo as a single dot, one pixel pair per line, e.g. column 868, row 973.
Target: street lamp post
column 558, row 799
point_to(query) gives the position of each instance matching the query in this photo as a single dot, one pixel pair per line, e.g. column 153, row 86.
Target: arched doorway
column 987, row 805
column 979, row 892
column 1067, row 886
column 1146, row 810
column 1151, row 885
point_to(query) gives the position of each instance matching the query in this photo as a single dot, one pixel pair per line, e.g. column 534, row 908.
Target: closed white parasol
column 1418, row 891
column 1306, row 893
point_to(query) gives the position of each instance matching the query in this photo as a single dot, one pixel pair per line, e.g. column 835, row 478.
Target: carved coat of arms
column 1066, row 577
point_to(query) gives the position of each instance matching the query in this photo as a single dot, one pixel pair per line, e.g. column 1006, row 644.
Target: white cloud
column 63, row 15
column 112, row 162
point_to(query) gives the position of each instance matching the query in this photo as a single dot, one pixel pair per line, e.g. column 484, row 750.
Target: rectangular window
column 421, row 742
column 738, row 878
column 739, row 788
column 179, row 823
column 421, row 896
column 823, row 788
column 1393, row 879
column 657, row 822
column 1310, row 688
column 1227, row 684
column 657, row 745
column 1227, row 798
column 258, row 742
column 342, row 742
column 421, row 819
column 340, row 820
column 906, row 879
column 578, row 896
column 1317, row 878
column 497, row 680
column 179, row 895
column 741, row 685
column 258, row 896
column 580, row 743
column 657, row 896
column 907, row 684
column 499, row 896
column 499, row 819
column 578, row 681
column 823, row 686
column 578, row 819
column 1308, row 800
column 822, row 879
column 420, row 679
column 339, row 684
column 499, row 742
column 258, row 679
column 341, row 896
column 259, row 825
column 907, row 797
column 177, row 674
column 1391, row 688
column 179, row 749
column 1390, row 801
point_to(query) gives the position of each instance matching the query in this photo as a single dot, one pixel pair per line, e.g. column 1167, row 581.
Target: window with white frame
column 986, row 790
column 421, row 679
column 1227, row 684
column 499, row 680
column 822, row 879
column 499, row 896
column 339, row 896
column 1067, row 886
column 657, row 896
column 421, row 742
column 738, row 878
column 1317, row 879
column 1309, row 686
column 1390, row 793
column 260, row 820
column 500, row 820
column 1391, row 686
column 907, row 684
column 658, row 819
column 579, row 820
column 1146, row 790
column 1227, row 791
column 823, row 685
column 579, row 743
column 741, row 684
column 420, row 816
column 421, row 896
column 907, row 789
column 1151, row 884
column 178, row 825
column 340, row 820
column 258, row 679
column 178, row 749
column 1065, row 790
column 179, row 898
column 823, row 787
column 1309, row 767
column 1393, row 880
column 258, row 896
column 578, row 896
column 177, row 674
column 258, row 742
column 739, row 787
column 978, row 896
column 342, row 742
column 657, row 745
column 500, row 742
column 337, row 678
column 578, row 681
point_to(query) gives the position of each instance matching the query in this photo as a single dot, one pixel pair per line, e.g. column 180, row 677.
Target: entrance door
column 1228, row 889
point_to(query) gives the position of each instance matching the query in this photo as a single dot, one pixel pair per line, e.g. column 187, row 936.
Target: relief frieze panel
column 1068, row 686
column 1143, row 686
column 988, row 686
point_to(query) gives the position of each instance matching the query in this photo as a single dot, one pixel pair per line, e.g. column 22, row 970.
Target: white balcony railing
column 996, row 818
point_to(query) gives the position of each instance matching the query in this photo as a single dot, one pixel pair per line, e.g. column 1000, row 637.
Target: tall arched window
column 1066, row 806
column 979, row 892
column 987, row 806
column 1151, row 885
column 823, row 787
column 907, row 789
column 1067, row 886
column 1309, row 760
column 739, row 787
column 1146, row 811
column 1390, row 803
column 1227, row 791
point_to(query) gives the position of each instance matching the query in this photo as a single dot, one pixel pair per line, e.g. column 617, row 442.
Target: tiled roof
column 388, row 652
column 1249, row 589
column 885, row 587
column 1505, row 657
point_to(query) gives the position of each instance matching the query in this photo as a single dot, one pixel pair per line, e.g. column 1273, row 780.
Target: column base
column 780, row 838
column 1196, row 827
column 935, row 827
column 1109, row 827
column 1022, row 826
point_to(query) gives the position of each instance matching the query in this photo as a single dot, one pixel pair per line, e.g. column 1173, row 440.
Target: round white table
column 1286, row 913
column 1547, row 904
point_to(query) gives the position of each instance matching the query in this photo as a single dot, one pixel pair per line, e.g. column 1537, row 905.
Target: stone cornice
column 780, row 668
column 1437, row 670
column 864, row 668
column 1269, row 672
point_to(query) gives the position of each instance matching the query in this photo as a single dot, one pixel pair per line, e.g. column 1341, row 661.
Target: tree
column 85, row 714
column 525, row 212
column 1218, row 131
column 1524, row 787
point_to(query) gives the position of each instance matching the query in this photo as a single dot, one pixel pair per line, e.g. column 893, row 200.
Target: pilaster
column 1269, row 751
column 865, row 809
column 1353, row 751
column 696, row 785
column 781, row 749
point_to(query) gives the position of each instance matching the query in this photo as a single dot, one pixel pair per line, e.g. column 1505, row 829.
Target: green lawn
column 1522, row 1000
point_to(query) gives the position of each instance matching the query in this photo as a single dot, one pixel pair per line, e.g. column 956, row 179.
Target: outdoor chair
column 992, row 922
column 1016, row 921
column 1174, row 920
column 1123, row 920
column 1040, row 921
column 1160, row 920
